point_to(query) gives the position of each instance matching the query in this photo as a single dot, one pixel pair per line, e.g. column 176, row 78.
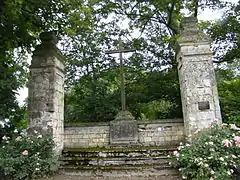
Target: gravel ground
column 113, row 175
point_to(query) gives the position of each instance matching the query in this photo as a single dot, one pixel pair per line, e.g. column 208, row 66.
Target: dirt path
column 114, row 175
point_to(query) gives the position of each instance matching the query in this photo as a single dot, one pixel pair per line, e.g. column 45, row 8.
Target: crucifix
column 121, row 50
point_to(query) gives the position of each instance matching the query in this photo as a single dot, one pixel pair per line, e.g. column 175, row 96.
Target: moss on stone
column 124, row 115
column 124, row 149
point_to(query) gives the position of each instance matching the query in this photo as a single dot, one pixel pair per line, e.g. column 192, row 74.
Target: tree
column 88, row 29
column 225, row 33
column 151, row 76
column 21, row 22
column 228, row 88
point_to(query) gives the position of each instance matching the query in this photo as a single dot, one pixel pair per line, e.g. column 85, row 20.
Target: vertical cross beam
column 121, row 50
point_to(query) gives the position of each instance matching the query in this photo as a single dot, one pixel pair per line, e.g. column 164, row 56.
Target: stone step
column 137, row 167
column 109, row 161
column 136, row 158
column 118, row 152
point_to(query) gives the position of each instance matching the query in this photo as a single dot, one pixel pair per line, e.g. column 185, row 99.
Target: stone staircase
column 119, row 163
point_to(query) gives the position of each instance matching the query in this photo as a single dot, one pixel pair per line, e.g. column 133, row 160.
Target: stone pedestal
column 46, row 90
column 123, row 130
column 198, row 86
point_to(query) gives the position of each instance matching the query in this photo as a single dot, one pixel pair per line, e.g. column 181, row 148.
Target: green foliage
column 27, row 157
column 213, row 153
column 225, row 33
column 88, row 29
column 149, row 96
column 229, row 93
column 146, row 81
column 92, row 100
column 155, row 109
column 21, row 23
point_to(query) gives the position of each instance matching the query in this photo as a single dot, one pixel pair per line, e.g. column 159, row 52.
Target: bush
column 213, row 153
column 27, row 157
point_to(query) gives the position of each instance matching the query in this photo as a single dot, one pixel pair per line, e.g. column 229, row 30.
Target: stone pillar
column 46, row 90
column 198, row 86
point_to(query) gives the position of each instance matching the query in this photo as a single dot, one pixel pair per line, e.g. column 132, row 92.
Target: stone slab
column 123, row 132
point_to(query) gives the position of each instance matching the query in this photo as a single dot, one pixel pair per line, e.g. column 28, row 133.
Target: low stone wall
column 85, row 136
column 161, row 132
column 151, row 133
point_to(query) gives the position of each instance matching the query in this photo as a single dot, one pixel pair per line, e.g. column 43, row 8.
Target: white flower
column 184, row 177
column 211, row 178
column 212, row 172
column 4, row 138
column 35, row 132
column 233, row 156
column 19, row 138
column 229, row 173
column 175, row 153
column 15, row 131
column 196, row 160
column 187, row 145
column 197, row 131
column 206, row 165
column 39, row 136
column 212, row 149
column 25, row 153
column 180, row 147
column 210, row 143
column 37, row 169
column 221, row 159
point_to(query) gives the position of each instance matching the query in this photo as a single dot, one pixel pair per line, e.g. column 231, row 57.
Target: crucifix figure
column 121, row 50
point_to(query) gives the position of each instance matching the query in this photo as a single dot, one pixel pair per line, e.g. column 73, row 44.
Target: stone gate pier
column 46, row 90
column 198, row 85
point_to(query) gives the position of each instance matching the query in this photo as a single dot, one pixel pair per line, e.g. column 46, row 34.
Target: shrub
column 213, row 153
column 27, row 157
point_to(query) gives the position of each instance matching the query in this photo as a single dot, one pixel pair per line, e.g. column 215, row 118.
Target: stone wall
column 151, row 133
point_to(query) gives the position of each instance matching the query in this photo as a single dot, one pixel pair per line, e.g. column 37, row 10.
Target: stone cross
column 121, row 50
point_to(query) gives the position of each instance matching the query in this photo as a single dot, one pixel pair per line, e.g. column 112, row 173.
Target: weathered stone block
column 124, row 129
